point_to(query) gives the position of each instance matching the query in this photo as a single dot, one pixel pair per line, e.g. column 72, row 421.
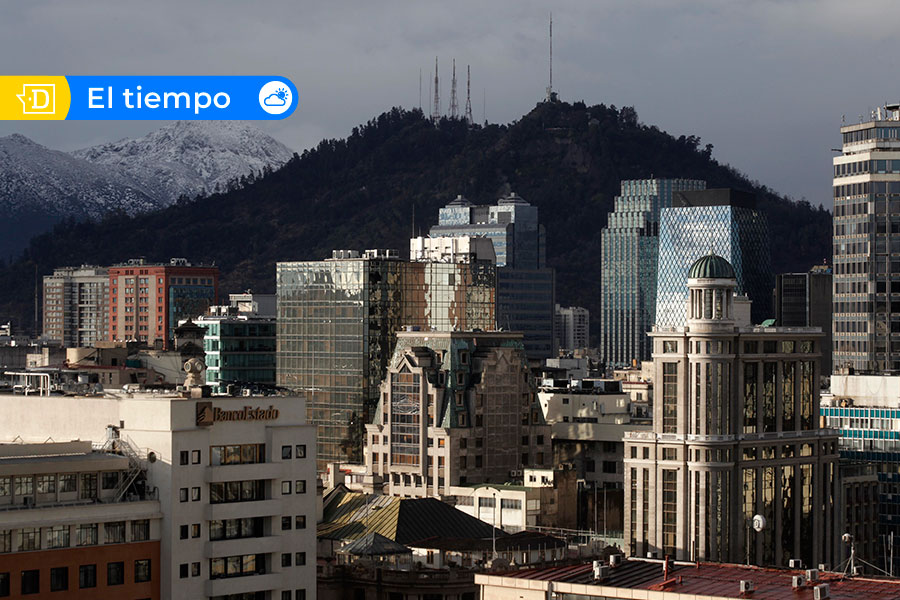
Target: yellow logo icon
column 38, row 98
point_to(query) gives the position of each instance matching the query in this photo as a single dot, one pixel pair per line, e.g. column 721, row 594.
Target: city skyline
column 792, row 49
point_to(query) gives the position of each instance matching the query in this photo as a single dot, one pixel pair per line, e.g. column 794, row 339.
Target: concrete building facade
column 76, row 306
column 572, row 325
column 456, row 408
column 804, row 300
column 735, row 434
column 234, row 479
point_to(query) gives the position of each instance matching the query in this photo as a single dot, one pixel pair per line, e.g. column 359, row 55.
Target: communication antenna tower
column 551, row 97
column 420, row 88
column 454, row 105
column 468, row 94
column 436, row 110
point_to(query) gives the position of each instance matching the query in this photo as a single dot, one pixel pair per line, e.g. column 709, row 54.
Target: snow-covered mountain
column 38, row 180
column 40, row 187
column 190, row 157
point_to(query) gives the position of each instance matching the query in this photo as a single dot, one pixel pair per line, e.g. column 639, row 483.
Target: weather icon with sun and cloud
column 275, row 97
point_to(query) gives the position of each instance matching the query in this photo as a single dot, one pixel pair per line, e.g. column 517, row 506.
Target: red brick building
column 146, row 301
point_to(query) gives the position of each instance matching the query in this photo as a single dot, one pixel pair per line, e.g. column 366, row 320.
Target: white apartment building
column 235, row 480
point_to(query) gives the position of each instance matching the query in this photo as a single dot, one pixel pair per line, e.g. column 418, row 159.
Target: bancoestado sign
column 207, row 414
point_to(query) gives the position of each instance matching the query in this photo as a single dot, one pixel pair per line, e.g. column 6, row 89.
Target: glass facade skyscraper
column 722, row 221
column 867, row 245
column 337, row 325
column 526, row 288
column 629, row 249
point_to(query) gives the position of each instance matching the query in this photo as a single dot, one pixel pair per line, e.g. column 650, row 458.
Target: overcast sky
column 765, row 82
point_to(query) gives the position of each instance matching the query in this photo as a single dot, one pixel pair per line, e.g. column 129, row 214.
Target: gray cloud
column 765, row 81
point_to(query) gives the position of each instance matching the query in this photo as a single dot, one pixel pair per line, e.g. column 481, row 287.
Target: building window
column 46, row 484
column 300, row 522
column 286, row 595
column 86, row 535
column 183, row 570
column 300, row 486
column 237, row 454
column 114, row 532
column 299, row 594
column 115, row 573
column 183, row 532
column 110, row 480
column 195, row 457
column 285, row 523
column 59, row 579
column 140, row 530
column 5, row 541
column 669, row 510
column 230, row 529
column 285, row 452
column 183, row 457
column 68, row 483
column 4, row 584
column 58, row 536
column 405, row 409
column 31, row 581
column 88, row 485
column 670, row 397
column 87, row 576
column 237, row 566
column 286, row 559
column 299, row 559
column 29, row 539
column 301, row 451
column 195, row 569
column 24, row 485
column 142, row 570
column 285, row 488
column 670, row 346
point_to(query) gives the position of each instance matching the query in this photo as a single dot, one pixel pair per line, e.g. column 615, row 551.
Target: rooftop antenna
column 454, row 105
column 429, row 87
column 436, row 110
column 468, row 94
column 484, row 104
column 420, row 88
column 550, row 87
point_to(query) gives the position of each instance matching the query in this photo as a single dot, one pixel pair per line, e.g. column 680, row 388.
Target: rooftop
column 700, row 579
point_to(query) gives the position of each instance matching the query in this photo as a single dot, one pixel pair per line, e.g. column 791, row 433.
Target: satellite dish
column 759, row 523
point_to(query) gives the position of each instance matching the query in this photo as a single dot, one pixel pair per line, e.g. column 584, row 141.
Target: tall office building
column 723, row 221
column 866, row 243
column 804, row 300
column 337, row 326
column 573, row 327
column 76, row 306
column 526, row 288
column 146, row 301
column 735, row 434
column 629, row 254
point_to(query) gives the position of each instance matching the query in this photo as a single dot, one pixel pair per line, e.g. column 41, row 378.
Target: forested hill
column 362, row 191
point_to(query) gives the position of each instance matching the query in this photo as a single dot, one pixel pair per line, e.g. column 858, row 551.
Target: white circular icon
column 275, row 97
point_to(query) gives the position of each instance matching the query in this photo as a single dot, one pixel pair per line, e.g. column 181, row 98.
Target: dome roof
column 711, row 266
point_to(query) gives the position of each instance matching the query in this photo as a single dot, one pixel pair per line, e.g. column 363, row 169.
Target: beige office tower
column 735, row 435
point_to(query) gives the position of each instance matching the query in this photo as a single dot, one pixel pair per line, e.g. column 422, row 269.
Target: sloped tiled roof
column 350, row 516
column 374, row 544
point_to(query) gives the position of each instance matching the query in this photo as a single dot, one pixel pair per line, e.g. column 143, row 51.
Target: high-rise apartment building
column 456, row 408
column 629, row 254
column 337, row 326
column 735, row 434
column 867, row 243
column 146, row 301
column 526, row 288
column 76, row 306
column 723, row 221
column 804, row 300
column 573, row 327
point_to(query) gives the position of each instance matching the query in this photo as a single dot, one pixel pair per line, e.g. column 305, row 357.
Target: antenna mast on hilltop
column 454, row 105
column 436, row 109
column 468, row 94
column 550, row 94
column 420, row 89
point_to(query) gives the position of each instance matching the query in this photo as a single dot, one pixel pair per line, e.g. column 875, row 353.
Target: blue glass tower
column 722, row 221
column 629, row 246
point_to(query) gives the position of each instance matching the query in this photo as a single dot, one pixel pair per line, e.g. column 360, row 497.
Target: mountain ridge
column 361, row 192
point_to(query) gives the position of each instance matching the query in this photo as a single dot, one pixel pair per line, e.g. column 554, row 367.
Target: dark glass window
column 115, row 573
column 31, row 581
column 59, row 579
column 142, row 570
